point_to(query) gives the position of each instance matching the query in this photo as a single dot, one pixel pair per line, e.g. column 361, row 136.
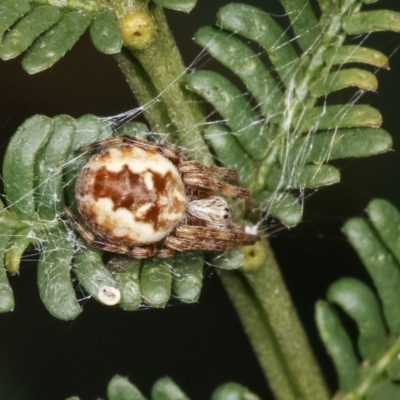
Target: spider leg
column 145, row 251
column 234, row 234
column 186, row 244
column 193, row 167
column 197, row 180
column 86, row 234
column 166, row 151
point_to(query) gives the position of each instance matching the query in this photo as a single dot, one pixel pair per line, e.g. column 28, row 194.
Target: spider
column 143, row 199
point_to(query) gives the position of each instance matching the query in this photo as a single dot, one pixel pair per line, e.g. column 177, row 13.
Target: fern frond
column 372, row 370
column 287, row 140
column 49, row 31
column 45, row 31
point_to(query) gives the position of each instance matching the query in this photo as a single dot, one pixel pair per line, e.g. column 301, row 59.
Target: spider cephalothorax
column 145, row 200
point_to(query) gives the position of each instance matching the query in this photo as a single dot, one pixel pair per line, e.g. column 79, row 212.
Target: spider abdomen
column 131, row 195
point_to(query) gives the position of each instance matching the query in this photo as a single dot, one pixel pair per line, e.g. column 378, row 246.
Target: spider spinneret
column 144, row 199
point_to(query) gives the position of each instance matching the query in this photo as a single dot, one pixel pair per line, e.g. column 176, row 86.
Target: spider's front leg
column 194, row 167
column 199, row 243
column 205, row 182
column 231, row 234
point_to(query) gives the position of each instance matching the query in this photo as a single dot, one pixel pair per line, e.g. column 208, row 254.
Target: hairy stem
column 163, row 64
column 146, row 94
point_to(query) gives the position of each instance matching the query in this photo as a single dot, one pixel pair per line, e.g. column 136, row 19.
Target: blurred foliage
column 371, row 369
column 119, row 388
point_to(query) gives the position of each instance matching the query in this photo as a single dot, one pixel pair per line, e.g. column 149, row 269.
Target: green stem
column 260, row 334
column 146, row 94
column 163, row 64
column 266, row 285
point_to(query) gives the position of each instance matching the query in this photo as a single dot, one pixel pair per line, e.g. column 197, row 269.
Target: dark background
column 199, row 345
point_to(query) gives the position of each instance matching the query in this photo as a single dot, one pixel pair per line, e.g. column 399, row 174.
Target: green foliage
column 285, row 142
column 42, row 154
column 49, row 31
column 45, row 31
column 119, row 388
column 372, row 370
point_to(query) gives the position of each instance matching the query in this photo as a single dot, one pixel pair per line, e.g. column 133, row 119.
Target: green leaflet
column 136, row 129
column 19, row 161
column 255, row 24
column 386, row 220
column 233, row 391
column 337, row 80
column 120, row 388
column 27, row 30
column 234, row 109
column 281, row 205
column 105, row 33
column 54, row 280
column 230, row 153
column 361, row 304
column 165, row 389
column 90, row 128
column 380, row 264
column 94, row 277
column 128, row 283
column 355, row 54
column 338, row 346
column 304, row 23
column 52, row 45
column 178, row 5
column 11, row 12
column 307, row 176
column 19, row 242
column 371, row 21
column 229, row 260
column 238, row 57
column 49, row 167
column 187, row 276
column 339, row 116
column 344, row 143
column 156, row 282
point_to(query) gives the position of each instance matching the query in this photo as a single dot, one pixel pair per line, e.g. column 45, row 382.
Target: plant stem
column 163, row 64
column 260, row 334
column 146, row 94
column 267, row 289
